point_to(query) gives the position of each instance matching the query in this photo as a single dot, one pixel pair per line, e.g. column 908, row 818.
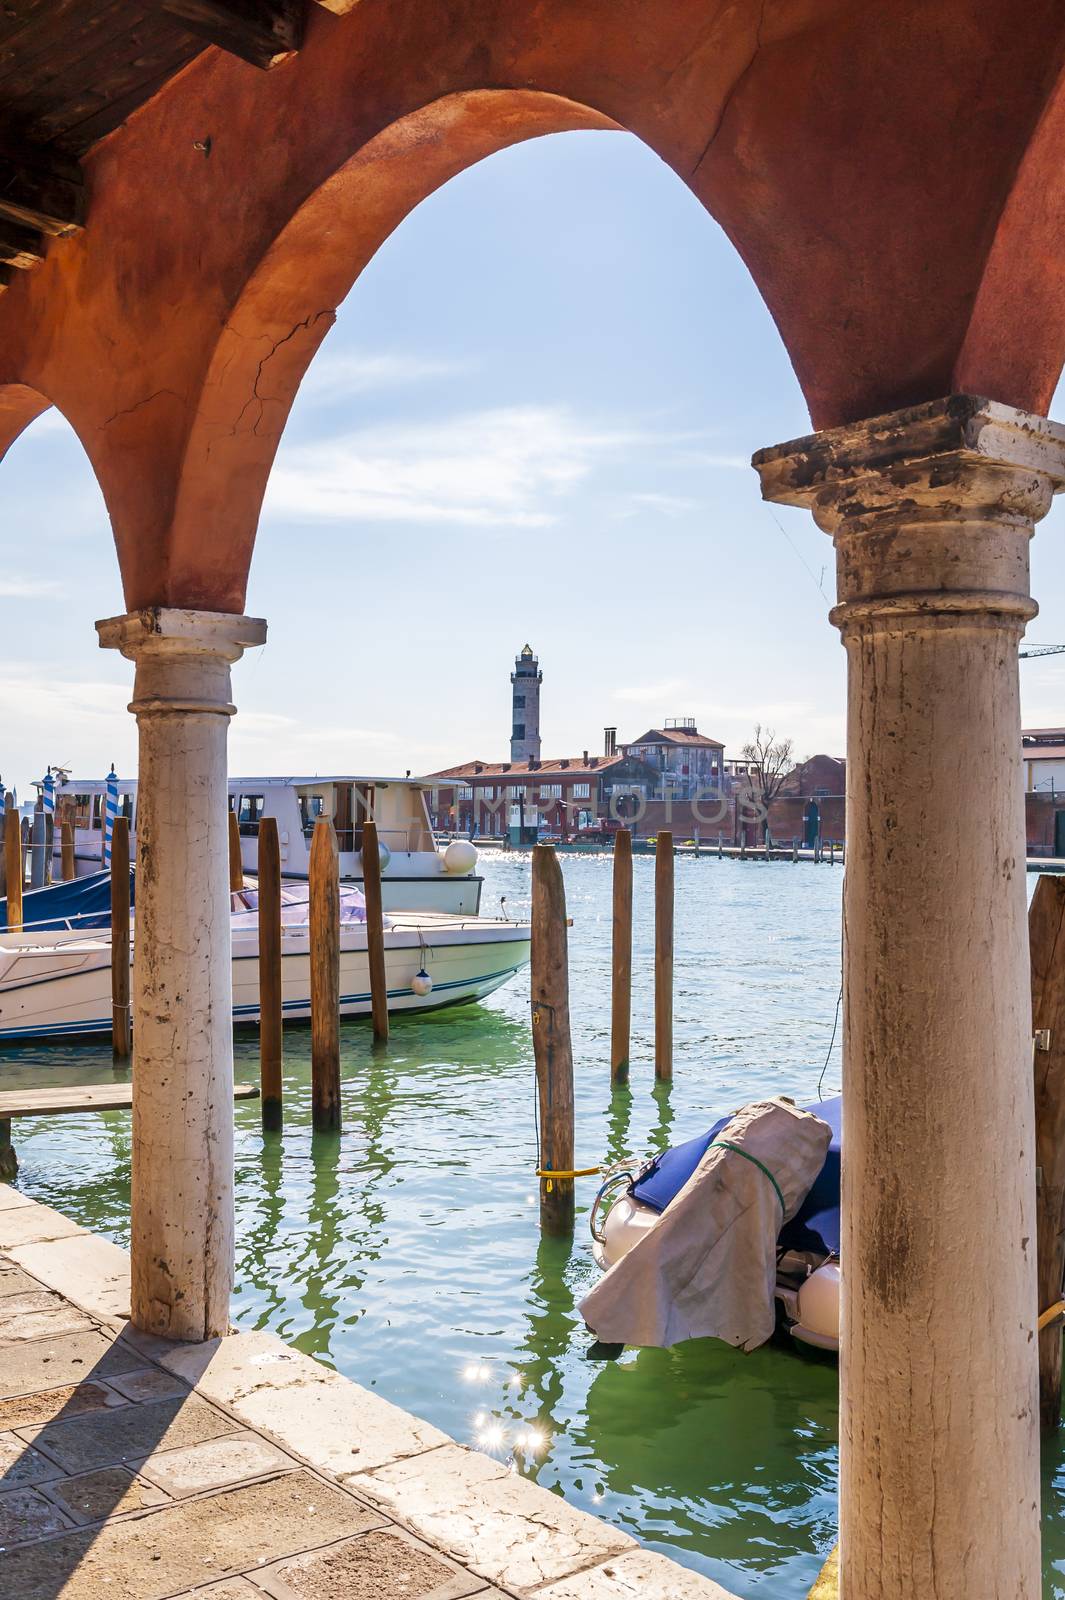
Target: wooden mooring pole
column 69, row 867
column 621, row 960
column 1046, row 934
column 271, row 1010
column 664, row 958
column 324, row 895
column 120, row 1028
column 375, row 931
column 13, row 868
column 236, row 865
column 551, row 1040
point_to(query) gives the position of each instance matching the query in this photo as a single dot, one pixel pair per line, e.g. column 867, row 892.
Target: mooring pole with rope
column 552, row 1045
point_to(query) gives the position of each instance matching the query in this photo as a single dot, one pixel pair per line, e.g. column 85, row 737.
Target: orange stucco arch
column 889, row 172
column 288, row 306
column 19, row 406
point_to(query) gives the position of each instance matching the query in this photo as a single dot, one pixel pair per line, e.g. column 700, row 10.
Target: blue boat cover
column 815, row 1225
column 81, row 903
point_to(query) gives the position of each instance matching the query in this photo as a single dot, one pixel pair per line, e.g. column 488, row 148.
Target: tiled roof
column 564, row 766
column 675, row 736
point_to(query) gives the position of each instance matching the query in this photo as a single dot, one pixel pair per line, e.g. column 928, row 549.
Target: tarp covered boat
column 723, row 1229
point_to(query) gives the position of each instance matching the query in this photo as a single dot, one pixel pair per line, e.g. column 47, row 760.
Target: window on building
column 550, row 791
column 581, row 791
column 519, row 700
column 465, row 791
column 312, row 806
column 519, row 731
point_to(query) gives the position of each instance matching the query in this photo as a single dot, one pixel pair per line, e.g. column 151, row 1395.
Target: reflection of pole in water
column 552, row 1319
column 346, row 1237
column 617, row 1125
column 663, row 1128
column 268, row 1210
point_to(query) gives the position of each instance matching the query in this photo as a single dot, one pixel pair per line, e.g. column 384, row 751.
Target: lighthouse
column 525, row 722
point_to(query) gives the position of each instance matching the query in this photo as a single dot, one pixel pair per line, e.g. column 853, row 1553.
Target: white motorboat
column 55, row 982
column 416, row 875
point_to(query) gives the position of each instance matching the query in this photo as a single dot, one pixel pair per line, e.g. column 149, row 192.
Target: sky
column 533, row 421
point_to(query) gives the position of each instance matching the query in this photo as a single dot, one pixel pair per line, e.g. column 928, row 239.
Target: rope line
column 726, row 1144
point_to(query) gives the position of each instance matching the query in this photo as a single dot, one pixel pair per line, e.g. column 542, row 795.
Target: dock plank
column 84, row 1097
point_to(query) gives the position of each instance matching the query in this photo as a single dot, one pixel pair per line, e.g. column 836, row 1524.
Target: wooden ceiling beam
column 19, row 246
column 261, row 32
column 40, row 188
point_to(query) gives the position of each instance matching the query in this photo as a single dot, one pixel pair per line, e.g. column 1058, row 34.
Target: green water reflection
column 405, row 1251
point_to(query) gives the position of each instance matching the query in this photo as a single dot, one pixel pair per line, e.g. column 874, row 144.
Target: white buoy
column 383, row 852
column 421, row 983
column 460, row 856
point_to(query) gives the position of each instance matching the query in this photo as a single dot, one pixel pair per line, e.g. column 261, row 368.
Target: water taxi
column 416, row 874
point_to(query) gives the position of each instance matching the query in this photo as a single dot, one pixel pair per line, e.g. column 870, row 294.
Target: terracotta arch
column 19, row 406
column 288, row 306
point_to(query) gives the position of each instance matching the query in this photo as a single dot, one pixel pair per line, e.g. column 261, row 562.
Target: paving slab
column 21, row 1465
column 25, row 1514
column 154, row 1556
column 107, row 1492
column 128, row 1433
column 36, row 1313
column 330, row 1421
column 69, row 1400
column 30, row 1224
column 639, row 1573
column 504, row 1527
column 65, row 1359
column 147, row 1384
column 214, row 1464
column 13, row 1280
column 90, row 1271
column 9, row 1198
column 385, row 1565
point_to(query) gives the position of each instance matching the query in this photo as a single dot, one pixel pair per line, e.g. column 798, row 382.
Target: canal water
column 406, row 1252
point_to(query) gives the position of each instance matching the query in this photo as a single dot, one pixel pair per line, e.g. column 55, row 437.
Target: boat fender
column 383, row 852
column 421, row 982
column 818, row 1308
column 460, row 856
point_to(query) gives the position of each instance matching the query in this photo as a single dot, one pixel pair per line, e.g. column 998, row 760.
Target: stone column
column 182, row 1201
column 931, row 511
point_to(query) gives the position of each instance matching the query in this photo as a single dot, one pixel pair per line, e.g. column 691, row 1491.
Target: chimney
column 564, row 762
column 585, row 757
column 478, row 766
column 610, row 741
column 594, row 762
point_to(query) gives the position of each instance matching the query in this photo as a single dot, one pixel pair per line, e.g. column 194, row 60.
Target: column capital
column 182, row 657
column 170, row 630
column 962, row 450
column 931, row 509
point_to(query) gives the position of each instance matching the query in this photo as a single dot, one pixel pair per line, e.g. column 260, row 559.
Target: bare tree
column 769, row 761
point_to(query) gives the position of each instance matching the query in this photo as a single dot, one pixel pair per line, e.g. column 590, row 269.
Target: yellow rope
column 1052, row 1313
column 578, row 1172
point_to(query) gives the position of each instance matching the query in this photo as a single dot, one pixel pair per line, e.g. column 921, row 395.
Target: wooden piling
column 375, row 932
column 719, row 850
column 1046, row 934
column 27, row 882
column 49, row 847
column 38, row 842
column 795, row 849
column 236, row 865
column 552, row 1046
column 13, row 868
column 621, row 962
column 270, row 996
column 120, row 1026
column 69, row 868
column 664, row 958
column 324, row 894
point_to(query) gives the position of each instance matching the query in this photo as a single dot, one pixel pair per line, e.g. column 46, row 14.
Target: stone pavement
column 137, row 1469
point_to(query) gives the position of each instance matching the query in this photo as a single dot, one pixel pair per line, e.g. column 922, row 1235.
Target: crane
column 1041, row 650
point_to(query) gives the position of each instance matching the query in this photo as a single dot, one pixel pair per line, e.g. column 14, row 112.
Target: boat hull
column 60, row 987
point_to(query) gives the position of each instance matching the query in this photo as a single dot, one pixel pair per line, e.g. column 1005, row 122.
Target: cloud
column 506, row 467
column 273, row 728
column 670, row 505
column 343, row 374
column 645, row 694
column 27, row 588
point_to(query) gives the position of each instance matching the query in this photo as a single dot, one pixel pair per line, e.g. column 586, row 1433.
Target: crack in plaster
column 737, row 85
column 127, row 411
column 306, row 323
